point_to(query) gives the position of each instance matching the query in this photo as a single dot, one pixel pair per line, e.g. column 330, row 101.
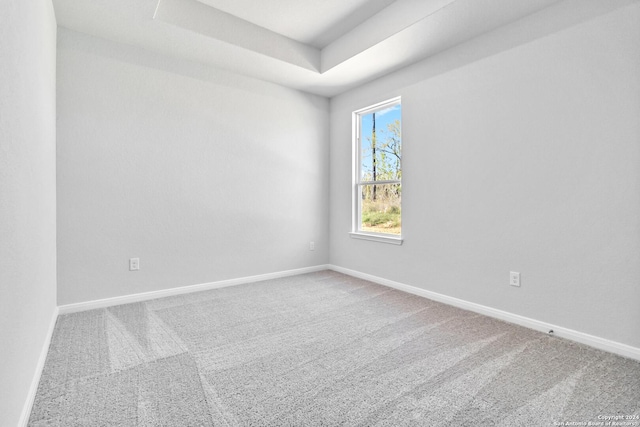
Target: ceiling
column 319, row 46
column 316, row 23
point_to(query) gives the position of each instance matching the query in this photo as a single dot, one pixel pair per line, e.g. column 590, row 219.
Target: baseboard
column 145, row 296
column 570, row 334
column 31, row 396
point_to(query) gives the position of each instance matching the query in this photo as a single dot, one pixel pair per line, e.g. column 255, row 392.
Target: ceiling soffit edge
column 195, row 16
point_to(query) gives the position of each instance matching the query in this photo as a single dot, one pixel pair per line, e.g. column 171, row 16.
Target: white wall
column 526, row 159
column 202, row 174
column 27, row 195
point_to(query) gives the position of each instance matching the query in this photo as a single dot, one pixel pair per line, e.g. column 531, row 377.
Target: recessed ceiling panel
column 307, row 21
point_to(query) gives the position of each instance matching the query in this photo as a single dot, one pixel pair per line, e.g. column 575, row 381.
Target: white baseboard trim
column 31, row 396
column 145, row 296
column 570, row 334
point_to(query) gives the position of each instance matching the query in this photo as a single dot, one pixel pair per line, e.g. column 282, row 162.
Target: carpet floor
column 321, row 349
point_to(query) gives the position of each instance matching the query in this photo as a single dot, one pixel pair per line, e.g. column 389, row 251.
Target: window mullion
column 388, row 181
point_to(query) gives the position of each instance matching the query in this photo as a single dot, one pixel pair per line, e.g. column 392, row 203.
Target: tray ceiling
column 319, row 46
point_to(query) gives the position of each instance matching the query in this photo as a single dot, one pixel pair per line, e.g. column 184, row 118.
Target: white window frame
column 357, row 181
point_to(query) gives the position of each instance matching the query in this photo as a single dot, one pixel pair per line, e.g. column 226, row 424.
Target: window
column 377, row 166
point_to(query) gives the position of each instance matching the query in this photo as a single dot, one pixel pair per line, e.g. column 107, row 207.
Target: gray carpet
column 320, row 349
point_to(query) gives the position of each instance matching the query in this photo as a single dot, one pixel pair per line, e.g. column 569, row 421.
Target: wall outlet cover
column 514, row 278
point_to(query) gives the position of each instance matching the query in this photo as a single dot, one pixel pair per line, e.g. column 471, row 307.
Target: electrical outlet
column 514, row 278
column 134, row 264
column 312, row 246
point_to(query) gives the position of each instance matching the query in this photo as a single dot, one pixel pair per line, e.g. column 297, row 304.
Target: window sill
column 394, row 240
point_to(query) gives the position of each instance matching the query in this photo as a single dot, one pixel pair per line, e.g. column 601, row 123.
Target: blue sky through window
column 384, row 117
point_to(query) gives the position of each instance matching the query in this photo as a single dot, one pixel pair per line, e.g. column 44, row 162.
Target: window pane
column 381, row 145
column 380, row 208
